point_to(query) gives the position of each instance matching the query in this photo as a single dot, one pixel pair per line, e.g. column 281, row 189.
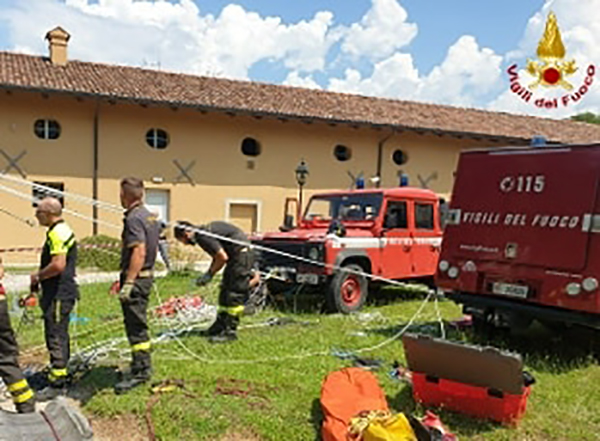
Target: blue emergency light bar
column 538, row 141
column 403, row 180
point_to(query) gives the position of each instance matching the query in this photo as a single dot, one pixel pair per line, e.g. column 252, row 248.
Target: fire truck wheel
column 348, row 291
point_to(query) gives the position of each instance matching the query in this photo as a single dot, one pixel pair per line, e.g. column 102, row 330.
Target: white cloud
column 473, row 76
column 295, row 79
column 395, row 76
column 174, row 34
column 467, row 73
column 579, row 24
column 381, row 31
column 372, row 53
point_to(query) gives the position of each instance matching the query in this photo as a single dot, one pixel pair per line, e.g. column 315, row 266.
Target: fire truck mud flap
column 539, row 312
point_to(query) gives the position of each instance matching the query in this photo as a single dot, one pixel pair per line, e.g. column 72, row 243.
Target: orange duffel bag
column 344, row 394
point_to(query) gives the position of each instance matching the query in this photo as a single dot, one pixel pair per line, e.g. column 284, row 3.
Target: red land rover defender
column 522, row 238
column 391, row 233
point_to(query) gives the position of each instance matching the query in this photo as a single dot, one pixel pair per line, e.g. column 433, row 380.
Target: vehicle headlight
column 573, row 289
column 444, row 265
column 590, row 284
column 314, row 253
column 453, row 272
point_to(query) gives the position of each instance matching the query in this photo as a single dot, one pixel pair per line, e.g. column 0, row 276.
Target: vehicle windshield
column 348, row 207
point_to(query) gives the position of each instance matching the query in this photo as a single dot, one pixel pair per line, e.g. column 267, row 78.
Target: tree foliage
column 587, row 117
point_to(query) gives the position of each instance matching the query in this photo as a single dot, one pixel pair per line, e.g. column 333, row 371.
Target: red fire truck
column 391, row 233
column 522, row 237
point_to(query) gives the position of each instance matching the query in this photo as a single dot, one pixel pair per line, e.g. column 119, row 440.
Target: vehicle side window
column 424, row 216
column 395, row 216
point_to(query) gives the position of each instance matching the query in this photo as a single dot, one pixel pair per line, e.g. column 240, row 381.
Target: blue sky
column 496, row 24
column 452, row 52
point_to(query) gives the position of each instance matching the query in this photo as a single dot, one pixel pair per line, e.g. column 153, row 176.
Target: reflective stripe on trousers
column 144, row 346
column 20, row 391
column 57, row 374
column 235, row 311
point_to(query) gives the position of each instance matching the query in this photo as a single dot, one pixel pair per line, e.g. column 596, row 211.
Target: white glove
column 125, row 292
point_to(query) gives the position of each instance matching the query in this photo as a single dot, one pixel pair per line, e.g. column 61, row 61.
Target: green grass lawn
column 283, row 403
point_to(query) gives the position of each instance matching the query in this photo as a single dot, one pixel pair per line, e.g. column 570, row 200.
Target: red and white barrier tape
column 38, row 249
column 79, row 246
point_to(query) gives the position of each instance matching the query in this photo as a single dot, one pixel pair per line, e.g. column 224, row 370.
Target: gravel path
column 20, row 282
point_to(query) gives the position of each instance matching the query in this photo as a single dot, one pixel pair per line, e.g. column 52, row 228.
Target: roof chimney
column 57, row 43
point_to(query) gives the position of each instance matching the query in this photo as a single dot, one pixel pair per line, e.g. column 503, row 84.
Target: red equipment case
column 483, row 382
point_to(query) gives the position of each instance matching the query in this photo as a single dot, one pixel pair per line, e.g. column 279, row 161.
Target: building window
column 251, row 147
column 41, row 193
column 342, row 153
column 424, row 216
column 157, row 139
column 46, row 129
column 399, row 157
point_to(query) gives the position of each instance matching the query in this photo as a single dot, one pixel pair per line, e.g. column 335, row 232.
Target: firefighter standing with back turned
column 59, row 291
column 11, row 374
column 141, row 231
column 238, row 261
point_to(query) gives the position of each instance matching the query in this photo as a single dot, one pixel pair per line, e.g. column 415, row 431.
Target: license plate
column 510, row 290
column 311, row 279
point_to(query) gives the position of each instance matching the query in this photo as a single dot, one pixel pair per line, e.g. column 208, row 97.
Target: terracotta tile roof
column 151, row 86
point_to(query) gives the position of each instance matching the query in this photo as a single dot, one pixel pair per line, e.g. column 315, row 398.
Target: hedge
column 105, row 258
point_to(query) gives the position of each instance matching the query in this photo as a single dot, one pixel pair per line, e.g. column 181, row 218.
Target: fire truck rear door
column 528, row 206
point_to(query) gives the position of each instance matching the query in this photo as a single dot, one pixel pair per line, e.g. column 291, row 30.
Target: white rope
column 294, row 256
column 53, row 191
column 439, row 316
column 302, row 356
column 226, row 239
column 31, row 198
column 113, row 207
column 174, row 333
column 29, row 222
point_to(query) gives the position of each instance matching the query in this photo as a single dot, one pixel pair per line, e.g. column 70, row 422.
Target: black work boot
column 217, row 327
column 141, row 372
column 132, row 381
column 56, row 387
column 229, row 333
column 26, row 407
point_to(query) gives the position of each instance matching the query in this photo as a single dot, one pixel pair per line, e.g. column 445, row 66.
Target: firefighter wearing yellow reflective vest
column 141, row 231
column 59, row 290
column 11, row 374
column 237, row 258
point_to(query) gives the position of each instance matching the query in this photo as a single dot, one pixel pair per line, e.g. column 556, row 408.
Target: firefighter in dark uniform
column 23, row 396
column 237, row 258
column 59, row 291
column 163, row 246
column 141, row 231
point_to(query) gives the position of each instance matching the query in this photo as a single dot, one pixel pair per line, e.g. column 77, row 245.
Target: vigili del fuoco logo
column 551, row 70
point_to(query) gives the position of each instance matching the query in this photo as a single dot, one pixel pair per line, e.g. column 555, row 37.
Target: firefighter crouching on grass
column 238, row 261
column 11, row 374
column 141, row 230
column 59, row 291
